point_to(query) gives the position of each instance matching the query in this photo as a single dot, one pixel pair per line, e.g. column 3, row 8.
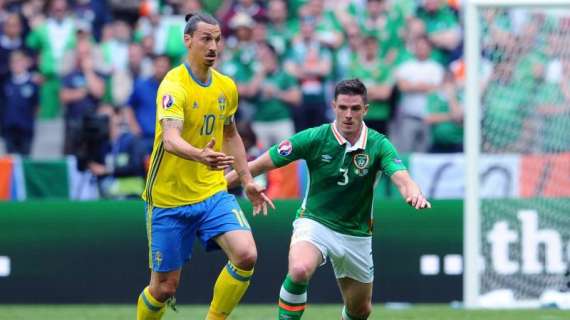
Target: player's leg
column 306, row 253
column 151, row 302
column 169, row 241
column 234, row 278
column 225, row 226
column 304, row 258
column 354, row 270
column 357, row 297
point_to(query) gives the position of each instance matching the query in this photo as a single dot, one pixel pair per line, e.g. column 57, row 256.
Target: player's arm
column 410, row 190
column 175, row 144
column 256, row 167
column 233, row 145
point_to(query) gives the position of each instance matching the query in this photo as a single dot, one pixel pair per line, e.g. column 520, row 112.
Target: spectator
column 83, row 89
column 377, row 75
column 161, row 34
column 442, row 27
column 445, row 116
column 416, row 78
column 347, row 55
column 279, row 30
column 115, row 44
column 139, row 62
column 506, row 107
column 21, row 96
column 230, row 9
column 550, row 101
column 141, row 110
column 115, row 160
column 52, row 39
column 115, row 54
column 3, row 12
column 240, row 62
column 385, row 24
column 95, row 13
column 10, row 41
column 310, row 63
column 277, row 92
column 328, row 29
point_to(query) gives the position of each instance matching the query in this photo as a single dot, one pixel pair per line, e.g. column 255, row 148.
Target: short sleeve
column 233, row 100
column 294, row 148
column 389, row 158
column 170, row 101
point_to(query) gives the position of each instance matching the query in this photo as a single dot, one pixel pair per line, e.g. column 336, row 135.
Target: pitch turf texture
column 268, row 312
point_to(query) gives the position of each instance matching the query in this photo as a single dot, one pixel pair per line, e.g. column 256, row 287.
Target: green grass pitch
column 267, row 312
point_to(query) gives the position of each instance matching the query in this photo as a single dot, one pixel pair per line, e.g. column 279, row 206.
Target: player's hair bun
column 188, row 16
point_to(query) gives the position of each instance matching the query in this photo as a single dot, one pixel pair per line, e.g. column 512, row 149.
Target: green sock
column 292, row 299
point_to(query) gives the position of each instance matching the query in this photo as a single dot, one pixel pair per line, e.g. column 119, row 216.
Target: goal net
column 517, row 206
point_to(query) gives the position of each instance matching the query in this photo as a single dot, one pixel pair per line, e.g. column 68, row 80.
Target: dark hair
column 269, row 47
column 193, row 18
column 351, row 87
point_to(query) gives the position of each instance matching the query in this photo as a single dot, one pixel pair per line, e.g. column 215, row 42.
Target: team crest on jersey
column 285, row 148
column 167, row 101
column 222, row 102
column 158, row 258
column 361, row 161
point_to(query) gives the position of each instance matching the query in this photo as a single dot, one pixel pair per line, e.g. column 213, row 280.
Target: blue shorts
column 171, row 231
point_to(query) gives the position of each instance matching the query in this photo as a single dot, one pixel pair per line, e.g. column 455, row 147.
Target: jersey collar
column 202, row 84
column 360, row 143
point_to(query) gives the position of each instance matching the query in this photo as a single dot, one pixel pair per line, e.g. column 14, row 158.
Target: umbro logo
column 326, row 158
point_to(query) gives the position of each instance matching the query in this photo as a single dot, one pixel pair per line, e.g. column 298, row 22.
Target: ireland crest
column 361, row 161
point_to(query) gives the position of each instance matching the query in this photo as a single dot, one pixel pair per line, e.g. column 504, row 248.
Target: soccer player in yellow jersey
column 185, row 194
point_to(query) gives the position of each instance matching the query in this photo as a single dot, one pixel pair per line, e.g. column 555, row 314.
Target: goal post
column 476, row 141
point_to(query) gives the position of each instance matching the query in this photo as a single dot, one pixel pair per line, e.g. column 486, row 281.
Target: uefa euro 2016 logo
column 167, row 101
column 222, row 103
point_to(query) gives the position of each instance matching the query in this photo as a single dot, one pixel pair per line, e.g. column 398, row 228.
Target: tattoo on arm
column 172, row 124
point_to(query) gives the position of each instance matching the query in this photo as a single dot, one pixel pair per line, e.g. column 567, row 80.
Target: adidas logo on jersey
column 326, row 158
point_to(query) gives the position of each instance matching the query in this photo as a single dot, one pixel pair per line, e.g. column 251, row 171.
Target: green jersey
column 341, row 176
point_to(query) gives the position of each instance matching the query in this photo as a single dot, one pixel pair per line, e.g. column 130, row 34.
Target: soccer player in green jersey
column 335, row 220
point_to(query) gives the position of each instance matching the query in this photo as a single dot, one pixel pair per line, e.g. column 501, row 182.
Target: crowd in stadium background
column 96, row 65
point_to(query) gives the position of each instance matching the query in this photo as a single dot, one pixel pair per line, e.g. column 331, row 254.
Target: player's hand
column 213, row 159
column 418, row 201
column 258, row 198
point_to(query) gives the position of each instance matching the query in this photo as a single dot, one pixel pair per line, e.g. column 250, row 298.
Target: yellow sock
column 228, row 290
column 148, row 308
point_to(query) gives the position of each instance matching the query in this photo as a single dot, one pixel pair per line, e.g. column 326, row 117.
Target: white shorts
column 350, row 256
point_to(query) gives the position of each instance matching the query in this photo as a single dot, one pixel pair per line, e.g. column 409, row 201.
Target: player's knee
column 299, row 272
column 361, row 310
column 245, row 259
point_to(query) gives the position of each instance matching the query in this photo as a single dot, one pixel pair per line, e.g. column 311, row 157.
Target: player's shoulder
column 224, row 80
column 376, row 137
column 175, row 77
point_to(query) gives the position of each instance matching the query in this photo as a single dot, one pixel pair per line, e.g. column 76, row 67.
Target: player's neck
column 352, row 138
column 202, row 73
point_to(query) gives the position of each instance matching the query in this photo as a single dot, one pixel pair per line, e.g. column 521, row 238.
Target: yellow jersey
column 204, row 107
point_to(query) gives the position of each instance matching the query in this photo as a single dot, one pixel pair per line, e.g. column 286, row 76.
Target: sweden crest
column 222, row 102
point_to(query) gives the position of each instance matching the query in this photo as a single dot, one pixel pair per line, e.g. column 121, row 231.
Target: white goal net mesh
column 525, row 153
